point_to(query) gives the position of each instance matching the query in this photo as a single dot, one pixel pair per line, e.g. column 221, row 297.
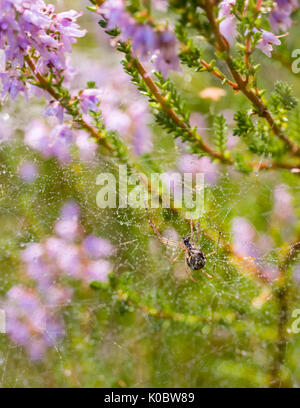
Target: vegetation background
column 173, row 332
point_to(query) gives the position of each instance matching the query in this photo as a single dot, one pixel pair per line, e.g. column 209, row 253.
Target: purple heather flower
column 87, row 147
column 228, row 29
column 69, row 261
column 32, row 25
column 33, row 253
column 161, row 5
column 97, row 271
column 265, row 44
column 28, row 171
column 58, row 295
column 66, row 24
column 68, row 226
column 122, row 109
column 167, row 53
column 37, row 137
column 145, row 40
column 54, row 247
column 280, row 15
column 141, row 135
column 243, row 237
column 55, row 109
column 280, row 20
column 228, row 23
column 29, row 324
column 296, row 272
column 197, row 119
column 283, row 208
column 226, row 7
column 97, row 247
column 90, row 99
column 142, row 140
column 70, row 211
column 193, row 164
column 287, row 5
column 60, row 142
column 114, row 11
column 31, row 321
column 11, row 84
column 116, row 119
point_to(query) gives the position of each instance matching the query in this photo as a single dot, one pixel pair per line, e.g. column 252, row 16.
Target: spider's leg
column 192, row 230
column 188, row 272
column 162, row 239
column 207, row 274
column 172, row 259
column 198, row 232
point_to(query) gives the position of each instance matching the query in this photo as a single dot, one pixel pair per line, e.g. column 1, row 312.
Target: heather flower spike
column 146, row 40
column 31, row 323
column 33, row 27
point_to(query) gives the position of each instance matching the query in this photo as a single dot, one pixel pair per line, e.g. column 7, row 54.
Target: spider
column 194, row 258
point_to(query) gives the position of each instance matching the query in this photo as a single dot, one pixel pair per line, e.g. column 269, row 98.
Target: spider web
column 217, row 333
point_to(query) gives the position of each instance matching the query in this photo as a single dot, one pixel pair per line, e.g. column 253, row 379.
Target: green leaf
column 221, row 130
column 283, row 97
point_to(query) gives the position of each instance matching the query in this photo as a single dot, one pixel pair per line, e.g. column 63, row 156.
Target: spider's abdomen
column 196, row 259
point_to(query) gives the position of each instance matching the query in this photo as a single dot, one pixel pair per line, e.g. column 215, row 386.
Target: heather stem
column 193, row 135
column 260, row 107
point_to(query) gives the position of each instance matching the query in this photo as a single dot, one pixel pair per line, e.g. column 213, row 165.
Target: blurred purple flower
column 87, row 147
column 197, row 119
column 28, row 171
column 283, row 208
column 161, row 5
column 296, row 272
column 244, row 237
column 11, row 85
column 55, row 109
column 193, row 164
column 124, row 111
column 90, row 99
column 29, row 323
column 280, row 15
column 68, row 226
column 269, row 272
column 97, row 271
column 146, row 41
column 59, row 142
column 32, row 318
column 141, row 135
column 37, row 137
column 167, row 53
column 97, row 247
